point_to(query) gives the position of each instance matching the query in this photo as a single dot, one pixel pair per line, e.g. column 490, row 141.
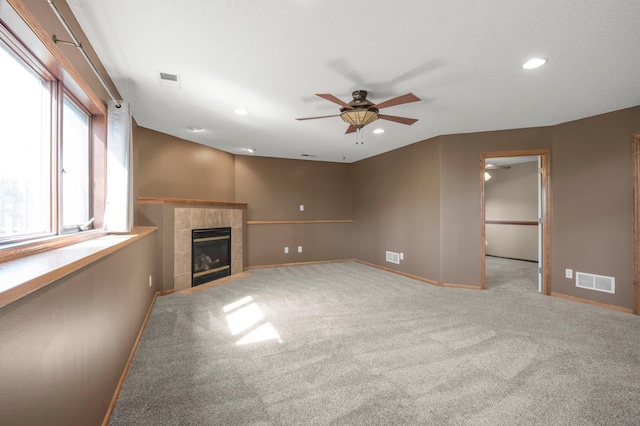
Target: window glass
column 75, row 173
column 25, row 150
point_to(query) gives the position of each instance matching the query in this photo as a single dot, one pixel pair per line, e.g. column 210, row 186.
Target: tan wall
column 162, row 217
column 166, row 166
column 274, row 190
column 64, row 346
column 320, row 242
column 593, row 203
column 460, row 201
column 512, row 195
column 396, row 207
column 512, row 241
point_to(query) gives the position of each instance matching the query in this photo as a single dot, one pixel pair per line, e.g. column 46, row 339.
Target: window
column 52, row 134
column 75, row 173
column 25, row 150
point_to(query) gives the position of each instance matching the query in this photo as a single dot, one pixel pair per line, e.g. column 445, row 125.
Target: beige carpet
column 349, row 344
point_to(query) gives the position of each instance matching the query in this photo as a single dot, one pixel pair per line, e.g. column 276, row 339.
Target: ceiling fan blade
column 403, row 120
column 313, row 118
column 495, row 167
column 404, row 99
column 351, row 129
column 335, row 100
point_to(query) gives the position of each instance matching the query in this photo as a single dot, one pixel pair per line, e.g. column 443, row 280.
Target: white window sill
column 25, row 275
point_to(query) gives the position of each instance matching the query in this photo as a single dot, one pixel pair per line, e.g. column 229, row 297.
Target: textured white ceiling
column 462, row 58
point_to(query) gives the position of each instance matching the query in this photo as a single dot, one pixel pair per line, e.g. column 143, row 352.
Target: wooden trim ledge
column 25, row 275
column 415, row 277
column 189, row 202
column 296, row 222
column 464, row 286
column 511, row 222
column 316, row 262
column 592, row 302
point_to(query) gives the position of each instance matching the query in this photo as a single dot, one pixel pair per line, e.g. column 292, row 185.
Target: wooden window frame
column 24, row 36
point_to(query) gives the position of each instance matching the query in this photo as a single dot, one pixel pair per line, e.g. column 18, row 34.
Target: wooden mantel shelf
column 189, row 202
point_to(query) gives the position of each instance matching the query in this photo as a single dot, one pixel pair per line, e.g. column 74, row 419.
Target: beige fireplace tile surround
column 187, row 219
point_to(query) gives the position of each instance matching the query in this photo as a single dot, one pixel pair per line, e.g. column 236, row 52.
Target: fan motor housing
column 360, row 100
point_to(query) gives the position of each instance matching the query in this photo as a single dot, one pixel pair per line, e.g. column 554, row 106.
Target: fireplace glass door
column 210, row 255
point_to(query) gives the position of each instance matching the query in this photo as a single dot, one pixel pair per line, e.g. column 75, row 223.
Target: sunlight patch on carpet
column 244, row 316
column 237, row 304
column 261, row 334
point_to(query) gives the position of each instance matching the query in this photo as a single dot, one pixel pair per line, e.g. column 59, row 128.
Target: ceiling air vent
column 596, row 282
column 169, row 80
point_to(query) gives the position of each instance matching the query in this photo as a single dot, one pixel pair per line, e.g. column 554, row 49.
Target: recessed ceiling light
column 534, row 63
column 251, row 150
column 194, row 129
column 241, row 111
column 378, row 131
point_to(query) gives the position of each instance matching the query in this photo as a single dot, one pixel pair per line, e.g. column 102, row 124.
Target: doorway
column 543, row 222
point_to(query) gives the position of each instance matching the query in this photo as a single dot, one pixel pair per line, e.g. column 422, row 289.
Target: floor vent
column 596, row 282
column 393, row 257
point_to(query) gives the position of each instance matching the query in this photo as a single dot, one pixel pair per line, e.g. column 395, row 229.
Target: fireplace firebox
column 210, row 255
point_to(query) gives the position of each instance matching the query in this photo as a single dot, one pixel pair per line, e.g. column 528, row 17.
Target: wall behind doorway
column 512, row 195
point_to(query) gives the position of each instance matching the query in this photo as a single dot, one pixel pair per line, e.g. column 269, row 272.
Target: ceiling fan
column 361, row 111
column 490, row 166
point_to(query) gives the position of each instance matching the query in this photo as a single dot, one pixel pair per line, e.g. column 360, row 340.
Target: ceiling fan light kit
column 359, row 117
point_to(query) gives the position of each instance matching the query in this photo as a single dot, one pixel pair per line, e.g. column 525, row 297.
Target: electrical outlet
column 150, row 280
column 286, row 250
column 401, row 256
column 299, row 249
column 301, row 207
column 486, row 243
column 568, row 273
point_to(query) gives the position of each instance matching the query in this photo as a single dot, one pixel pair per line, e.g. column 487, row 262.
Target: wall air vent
column 393, row 257
column 169, row 80
column 596, row 282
